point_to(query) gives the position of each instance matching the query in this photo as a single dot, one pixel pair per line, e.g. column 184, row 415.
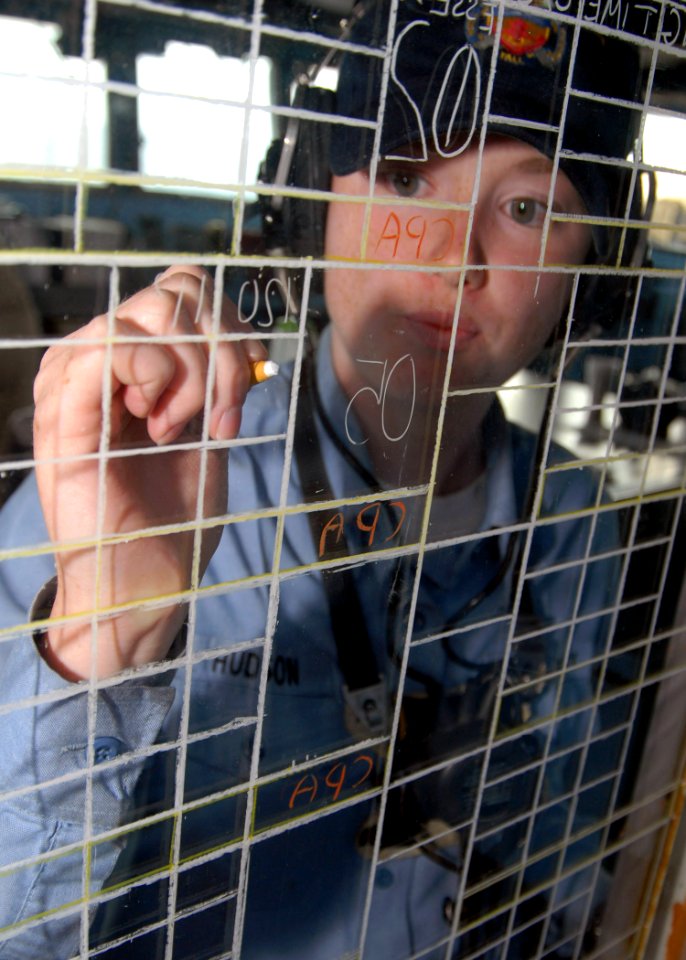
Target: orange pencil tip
column 261, row 370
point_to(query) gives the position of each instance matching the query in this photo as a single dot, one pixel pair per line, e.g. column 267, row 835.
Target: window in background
column 663, row 147
column 53, row 109
column 193, row 117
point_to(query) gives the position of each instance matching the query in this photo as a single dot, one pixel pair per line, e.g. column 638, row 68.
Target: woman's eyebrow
column 539, row 164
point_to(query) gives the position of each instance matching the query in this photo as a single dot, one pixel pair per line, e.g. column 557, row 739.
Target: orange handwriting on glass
column 329, row 785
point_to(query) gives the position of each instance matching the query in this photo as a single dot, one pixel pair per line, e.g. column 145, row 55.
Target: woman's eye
column 527, row 212
column 404, row 183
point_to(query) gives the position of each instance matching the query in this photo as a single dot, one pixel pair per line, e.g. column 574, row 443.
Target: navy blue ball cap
column 528, row 74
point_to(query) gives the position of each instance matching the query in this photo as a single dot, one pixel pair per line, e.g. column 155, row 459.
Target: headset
column 294, row 225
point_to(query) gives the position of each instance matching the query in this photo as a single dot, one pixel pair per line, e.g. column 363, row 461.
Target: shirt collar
column 501, row 501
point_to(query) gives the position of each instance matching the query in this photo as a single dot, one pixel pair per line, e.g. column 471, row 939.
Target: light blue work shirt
column 309, row 871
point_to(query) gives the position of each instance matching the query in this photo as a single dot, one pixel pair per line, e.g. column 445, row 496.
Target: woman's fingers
column 167, row 359
column 181, row 303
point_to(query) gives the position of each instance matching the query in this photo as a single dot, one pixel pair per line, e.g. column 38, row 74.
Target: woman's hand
column 118, row 389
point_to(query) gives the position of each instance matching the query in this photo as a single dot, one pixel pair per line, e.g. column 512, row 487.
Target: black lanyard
column 364, row 685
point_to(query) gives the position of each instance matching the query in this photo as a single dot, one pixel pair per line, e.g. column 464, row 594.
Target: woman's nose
column 453, row 244
column 444, row 244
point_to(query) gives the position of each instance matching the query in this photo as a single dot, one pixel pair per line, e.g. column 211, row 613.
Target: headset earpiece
column 295, row 224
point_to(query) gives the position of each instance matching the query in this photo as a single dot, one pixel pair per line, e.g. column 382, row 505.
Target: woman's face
column 432, row 257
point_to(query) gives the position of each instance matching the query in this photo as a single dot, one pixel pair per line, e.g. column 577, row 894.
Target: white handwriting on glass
column 380, row 397
column 463, row 67
column 274, row 287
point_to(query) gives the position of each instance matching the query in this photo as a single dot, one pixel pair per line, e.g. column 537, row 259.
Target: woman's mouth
column 435, row 328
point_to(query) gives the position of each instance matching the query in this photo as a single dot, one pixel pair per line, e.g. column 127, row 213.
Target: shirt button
column 448, row 909
column 107, row 748
column 384, row 878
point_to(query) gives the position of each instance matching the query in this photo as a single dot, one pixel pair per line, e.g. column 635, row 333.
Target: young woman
column 280, row 681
